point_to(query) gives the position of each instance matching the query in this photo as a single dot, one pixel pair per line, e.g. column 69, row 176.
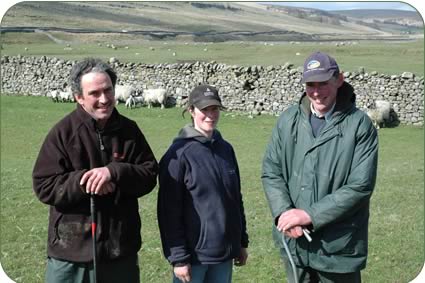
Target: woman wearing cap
column 200, row 209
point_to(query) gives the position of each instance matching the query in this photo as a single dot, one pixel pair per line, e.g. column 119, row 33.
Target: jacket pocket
column 339, row 239
column 71, row 229
column 202, row 238
column 54, row 237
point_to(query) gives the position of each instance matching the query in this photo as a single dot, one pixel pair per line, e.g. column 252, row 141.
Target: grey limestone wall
column 252, row 90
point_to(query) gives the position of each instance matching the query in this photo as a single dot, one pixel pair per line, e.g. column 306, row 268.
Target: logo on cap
column 313, row 64
column 208, row 92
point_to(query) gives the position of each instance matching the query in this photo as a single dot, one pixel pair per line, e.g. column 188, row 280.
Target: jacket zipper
column 99, row 136
column 102, row 156
column 102, row 146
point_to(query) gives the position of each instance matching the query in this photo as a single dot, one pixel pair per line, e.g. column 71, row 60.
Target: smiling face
column 98, row 97
column 323, row 94
column 206, row 119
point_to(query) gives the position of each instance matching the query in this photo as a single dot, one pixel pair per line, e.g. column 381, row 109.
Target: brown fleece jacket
column 72, row 147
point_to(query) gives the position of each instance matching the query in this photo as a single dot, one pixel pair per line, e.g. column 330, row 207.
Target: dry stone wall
column 252, row 90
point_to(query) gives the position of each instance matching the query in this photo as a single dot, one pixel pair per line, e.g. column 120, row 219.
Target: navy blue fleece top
column 200, row 208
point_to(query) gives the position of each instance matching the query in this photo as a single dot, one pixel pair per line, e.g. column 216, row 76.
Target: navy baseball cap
column 319, row 67
column 203, row 96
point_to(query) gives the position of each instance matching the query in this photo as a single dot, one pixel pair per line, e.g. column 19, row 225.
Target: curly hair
column 89, row 65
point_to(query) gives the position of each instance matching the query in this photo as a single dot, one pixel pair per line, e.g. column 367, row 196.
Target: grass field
column 396, row 249
column 405, row 56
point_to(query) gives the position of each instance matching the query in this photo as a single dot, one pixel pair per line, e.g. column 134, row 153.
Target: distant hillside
column 386, row 20
column 408, row 19
column 309, row 14
column 200, row 21
column 383, row 14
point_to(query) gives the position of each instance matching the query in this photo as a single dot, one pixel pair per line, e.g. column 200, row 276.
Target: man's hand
column 241, row 259
column 183, row 273
column 291, row 222
column 98, row 181
column 294, row 232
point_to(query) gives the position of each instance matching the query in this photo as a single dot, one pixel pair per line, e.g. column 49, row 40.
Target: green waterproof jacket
column 331, row 177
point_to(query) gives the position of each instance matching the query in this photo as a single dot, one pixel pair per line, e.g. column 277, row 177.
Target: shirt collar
column 327, row 115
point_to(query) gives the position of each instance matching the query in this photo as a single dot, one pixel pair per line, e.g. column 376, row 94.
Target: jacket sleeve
column 170, row 208
column 274, row 176
column 55, row 182
column 244, row 233
column 137, row 177
column 356, row 192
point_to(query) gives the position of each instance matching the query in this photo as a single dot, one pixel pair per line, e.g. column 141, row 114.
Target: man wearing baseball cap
column 319, row 172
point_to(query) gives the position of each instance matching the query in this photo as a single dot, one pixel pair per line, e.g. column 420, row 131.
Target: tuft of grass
column 396, row 233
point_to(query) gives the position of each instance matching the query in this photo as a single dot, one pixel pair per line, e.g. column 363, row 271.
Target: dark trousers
column 121, row 270
column 309, row 275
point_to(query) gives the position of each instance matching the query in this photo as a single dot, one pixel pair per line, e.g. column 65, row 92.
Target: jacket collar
column 189, row 132
column 112, row 124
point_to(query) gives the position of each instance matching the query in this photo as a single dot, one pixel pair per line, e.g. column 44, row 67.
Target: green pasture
column 396, row 248
column 386, row 57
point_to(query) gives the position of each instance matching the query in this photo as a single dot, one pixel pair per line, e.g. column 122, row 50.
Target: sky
column 345, row 5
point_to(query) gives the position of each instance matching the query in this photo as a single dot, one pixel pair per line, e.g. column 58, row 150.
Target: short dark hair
column 86, row 66
column 336, row 74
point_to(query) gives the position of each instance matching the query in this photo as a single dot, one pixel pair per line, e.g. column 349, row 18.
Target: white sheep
column 62, row 96
column 132, row 101
column 66, row 96
column 123, row 92
column 376, row 116
column 380, row 115
column 384, row 107
column 157, row 95
column 54, row 94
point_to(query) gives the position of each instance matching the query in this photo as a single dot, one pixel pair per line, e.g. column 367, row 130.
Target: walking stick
column 306, row 233
column 291, row 260
column 93, row 234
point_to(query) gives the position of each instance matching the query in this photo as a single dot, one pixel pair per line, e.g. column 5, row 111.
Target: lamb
column 132, row 101
column 158, row 95
column 66, row 96
column 381, row 114
column 54, row 94
column 123, row 92
column 62, row 96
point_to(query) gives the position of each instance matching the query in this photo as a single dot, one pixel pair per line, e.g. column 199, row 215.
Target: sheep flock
column 379, row 113
column 131, row 96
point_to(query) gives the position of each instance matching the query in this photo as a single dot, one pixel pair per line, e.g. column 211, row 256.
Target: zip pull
column 102, row 147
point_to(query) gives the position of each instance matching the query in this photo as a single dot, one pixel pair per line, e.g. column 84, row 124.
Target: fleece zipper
column 101, row 146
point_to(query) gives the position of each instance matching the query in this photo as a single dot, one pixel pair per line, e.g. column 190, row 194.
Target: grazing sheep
column 380, row 115
column 66, row 96
column 132, row 101
column 384, row 107
column 158, row 95
column 54, row 94
column 376, row 117
column 62, row 96
column 123, row 92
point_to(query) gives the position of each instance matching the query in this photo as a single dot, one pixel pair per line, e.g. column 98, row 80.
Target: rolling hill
column 208, row 21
